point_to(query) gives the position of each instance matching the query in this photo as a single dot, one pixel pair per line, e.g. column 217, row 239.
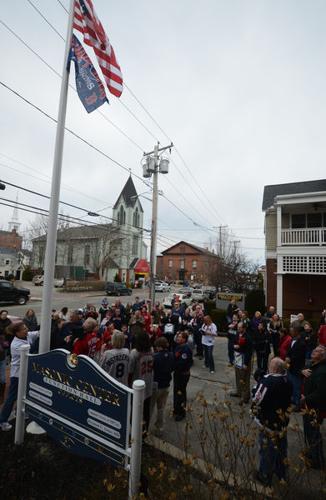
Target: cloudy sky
column 239, row 86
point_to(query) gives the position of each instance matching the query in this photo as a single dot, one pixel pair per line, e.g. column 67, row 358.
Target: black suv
column 10, row 293
column 112, row 288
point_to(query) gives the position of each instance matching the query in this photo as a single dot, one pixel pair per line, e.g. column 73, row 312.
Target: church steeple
column 129, row 195
column 14, row 223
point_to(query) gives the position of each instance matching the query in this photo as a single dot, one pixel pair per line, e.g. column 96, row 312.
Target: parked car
column 38, row 280
column 57, row 282
column 180, row 297
column 112, row 288
column 161, row 286
column 11, row 293
column 199, row 294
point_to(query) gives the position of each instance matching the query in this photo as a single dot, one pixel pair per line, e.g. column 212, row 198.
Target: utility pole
column 154, row 164
column 219, row 246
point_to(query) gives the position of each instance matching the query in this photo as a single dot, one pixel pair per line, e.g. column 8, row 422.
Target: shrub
column 27, row 274
column 219, row 318
column 209, row 306
column 255, row 301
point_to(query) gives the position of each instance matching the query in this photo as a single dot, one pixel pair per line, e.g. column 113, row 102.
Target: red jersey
column 147, row 320
column 89, row 345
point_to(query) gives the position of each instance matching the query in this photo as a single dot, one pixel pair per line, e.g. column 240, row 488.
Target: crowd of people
column 133, row 342
column 128, row 341
column 290, row 377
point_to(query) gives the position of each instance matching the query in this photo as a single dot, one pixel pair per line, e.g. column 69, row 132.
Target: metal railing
column 311, row 236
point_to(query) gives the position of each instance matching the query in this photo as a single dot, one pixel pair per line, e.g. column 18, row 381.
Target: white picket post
column 20, row 418
column 136, row 437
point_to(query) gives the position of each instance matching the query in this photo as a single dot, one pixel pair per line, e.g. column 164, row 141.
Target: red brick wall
column 304, row 293
column 205, row 270
column 10, row 240
column 271, row 268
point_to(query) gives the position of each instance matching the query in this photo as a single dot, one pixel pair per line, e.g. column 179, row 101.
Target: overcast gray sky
column 239, row 86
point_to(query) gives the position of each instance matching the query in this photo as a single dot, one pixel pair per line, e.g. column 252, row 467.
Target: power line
column 70, row 85
column 45, row 19
column 74, row 134
column 64, row 8
column 66, row 186
column 95, row 148
column 62, row 217
column 202, row 201
column 107, row 119
column 89, row 212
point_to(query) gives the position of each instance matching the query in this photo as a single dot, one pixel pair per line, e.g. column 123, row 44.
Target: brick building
column 10, row 239
column 185, row 261
column 295, row 247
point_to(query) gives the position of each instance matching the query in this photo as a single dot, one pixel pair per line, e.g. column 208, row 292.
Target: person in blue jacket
column 182, row 364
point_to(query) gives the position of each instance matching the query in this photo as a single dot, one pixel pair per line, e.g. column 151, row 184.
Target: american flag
column 86, row 21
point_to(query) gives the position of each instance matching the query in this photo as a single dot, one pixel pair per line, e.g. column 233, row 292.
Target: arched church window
column 136, row 218
column 121, row 216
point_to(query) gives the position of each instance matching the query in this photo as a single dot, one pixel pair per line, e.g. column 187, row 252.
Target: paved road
column 72, row 300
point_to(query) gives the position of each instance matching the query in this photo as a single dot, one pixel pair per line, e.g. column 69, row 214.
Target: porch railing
column 311, row 236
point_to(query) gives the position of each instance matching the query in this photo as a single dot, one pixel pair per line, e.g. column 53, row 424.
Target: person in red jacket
column 322, row 335
column 88, row 343
column 285, row 342
column 147, row 318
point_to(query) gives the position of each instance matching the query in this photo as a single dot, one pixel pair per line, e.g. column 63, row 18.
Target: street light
column 153, row 164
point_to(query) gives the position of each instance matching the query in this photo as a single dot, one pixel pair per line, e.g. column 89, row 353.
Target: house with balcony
column 295, row 247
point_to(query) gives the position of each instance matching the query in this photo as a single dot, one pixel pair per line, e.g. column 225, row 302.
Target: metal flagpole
column 51, row 239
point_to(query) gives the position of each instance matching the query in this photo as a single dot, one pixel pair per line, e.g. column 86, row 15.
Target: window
column 7, row 263
column 194, row 264
column 314, row 219
column 182, row 263
column 298, row 221
column 136, row 218
column 170, row 263
column 87, row 255
column 121, row 216
column 135, row 245
column 70, row 254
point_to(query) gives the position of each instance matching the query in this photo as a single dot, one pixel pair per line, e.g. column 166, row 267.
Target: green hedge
column 219, row 318
column 27, row 274
column 255, row 301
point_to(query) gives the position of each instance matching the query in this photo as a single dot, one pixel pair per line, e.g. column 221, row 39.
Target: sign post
column 136, row 437
column 20, row 411
column 78, row 404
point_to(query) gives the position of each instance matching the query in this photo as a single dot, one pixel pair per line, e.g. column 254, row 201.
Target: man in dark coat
column 242, row 363
column 314, row 402
column 270, row 404
column 296, row 358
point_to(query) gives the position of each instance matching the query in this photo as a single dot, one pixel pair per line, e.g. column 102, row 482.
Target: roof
column 13, row 231
column 291, row 188
column 142, row 267
column 201, row 250
column 129, row 195
column 111, row 263
column 79, row 232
